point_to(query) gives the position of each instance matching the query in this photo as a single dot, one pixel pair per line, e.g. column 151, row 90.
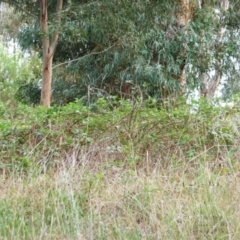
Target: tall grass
column 129, row 173
column 110, row 202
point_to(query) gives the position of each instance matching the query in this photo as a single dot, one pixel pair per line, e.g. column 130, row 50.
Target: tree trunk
column 212, row 85
column 183, row 17
column 48, row 50
column 184, row 12
column 47, row 80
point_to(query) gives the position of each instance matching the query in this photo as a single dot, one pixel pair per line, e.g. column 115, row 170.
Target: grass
column 125, row 174
column 109, row 202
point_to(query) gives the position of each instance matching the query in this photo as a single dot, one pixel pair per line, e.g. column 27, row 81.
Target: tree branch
column 21, row 8
column 77, row 59
column 44, row 25
column 58, row 20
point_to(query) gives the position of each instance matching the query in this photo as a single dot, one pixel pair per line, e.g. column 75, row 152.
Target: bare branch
column 77, row 59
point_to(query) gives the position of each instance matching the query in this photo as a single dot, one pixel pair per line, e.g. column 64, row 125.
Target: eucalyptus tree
column 129, row 48
column 145, row 42
column 217, row 38
column 39, row 10
column 161, row 48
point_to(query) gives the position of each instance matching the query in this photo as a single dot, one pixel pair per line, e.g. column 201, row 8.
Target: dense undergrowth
column 128, row 134
column 129, row 172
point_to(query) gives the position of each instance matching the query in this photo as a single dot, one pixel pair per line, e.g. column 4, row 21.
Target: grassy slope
column 131, row 173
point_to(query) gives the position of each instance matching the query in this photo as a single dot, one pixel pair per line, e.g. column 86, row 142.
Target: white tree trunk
column 213, row 83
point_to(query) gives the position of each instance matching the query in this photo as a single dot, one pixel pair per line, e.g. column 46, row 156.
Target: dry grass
column 112, row 202
column 144, row 174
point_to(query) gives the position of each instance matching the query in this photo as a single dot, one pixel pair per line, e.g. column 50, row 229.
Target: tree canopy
column 137, row 48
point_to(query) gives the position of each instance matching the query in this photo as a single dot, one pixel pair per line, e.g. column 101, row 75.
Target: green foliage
column 29, row 93
column 32, row 136
column 15, row 69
